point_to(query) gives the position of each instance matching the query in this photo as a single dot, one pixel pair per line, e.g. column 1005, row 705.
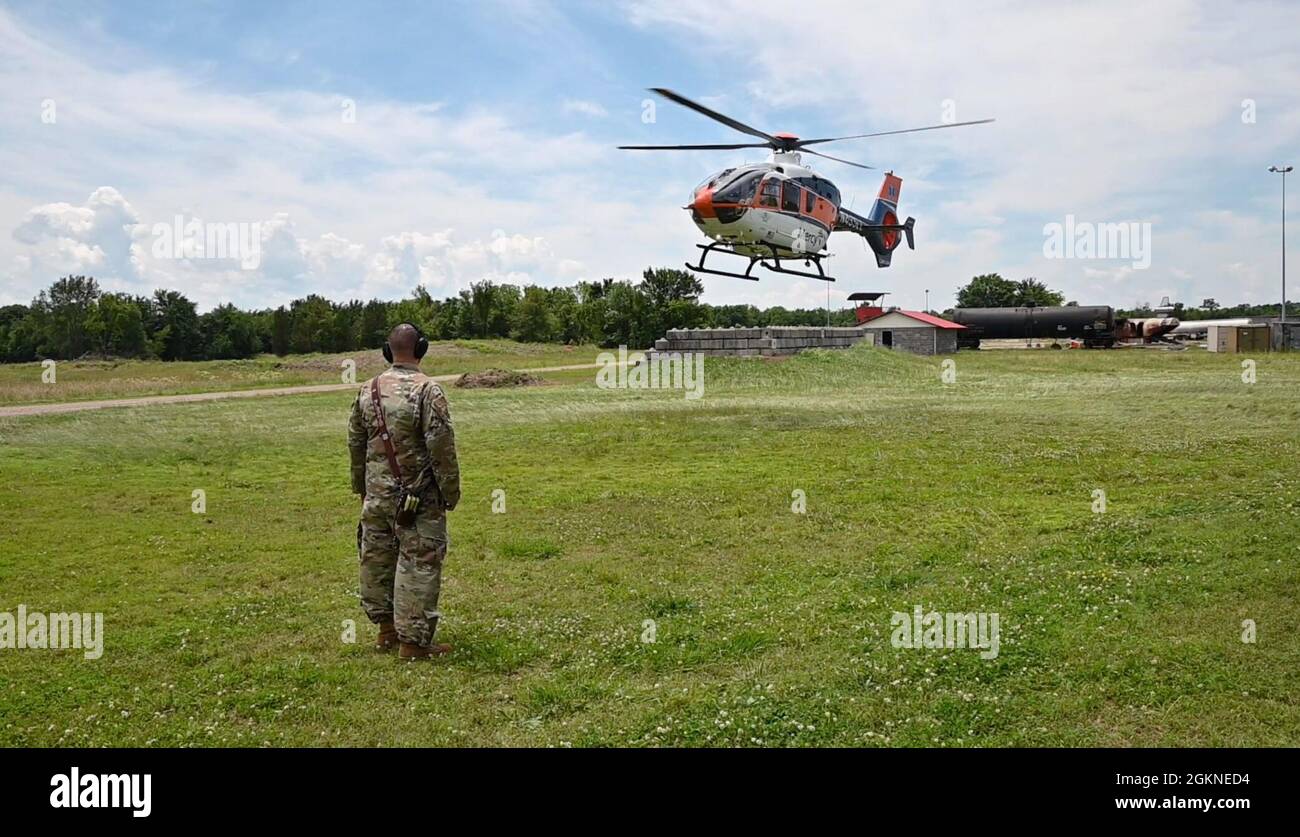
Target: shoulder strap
column 383, row 431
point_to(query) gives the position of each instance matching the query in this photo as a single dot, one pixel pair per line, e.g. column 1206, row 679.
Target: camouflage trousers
column 401, row 568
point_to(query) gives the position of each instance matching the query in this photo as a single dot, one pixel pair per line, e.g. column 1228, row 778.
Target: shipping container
column 1236, row 338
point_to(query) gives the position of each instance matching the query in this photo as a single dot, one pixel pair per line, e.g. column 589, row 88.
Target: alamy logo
column 946, row 630
column 660, row 370
column 54, row 630
column 110, row 790
column 1084, row 240
column 195, row 239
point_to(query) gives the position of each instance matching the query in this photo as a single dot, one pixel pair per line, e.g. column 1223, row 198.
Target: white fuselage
column 780, row 208
column 1194, row 327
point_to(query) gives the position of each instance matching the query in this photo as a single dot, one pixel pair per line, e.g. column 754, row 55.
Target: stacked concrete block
column 754, row 342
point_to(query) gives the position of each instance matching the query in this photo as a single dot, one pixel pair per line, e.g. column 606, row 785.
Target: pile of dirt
column 364, row 359
column 495, row 378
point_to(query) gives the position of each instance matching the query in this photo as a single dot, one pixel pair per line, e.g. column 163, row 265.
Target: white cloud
column 345, row 208
column 105, row 237
column 585, row 108
column 96, row 237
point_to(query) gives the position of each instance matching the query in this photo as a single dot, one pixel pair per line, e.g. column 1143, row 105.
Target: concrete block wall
column 1285, row 337
column 755, row 342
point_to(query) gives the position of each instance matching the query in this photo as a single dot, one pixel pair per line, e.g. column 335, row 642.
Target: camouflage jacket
column 419, row 423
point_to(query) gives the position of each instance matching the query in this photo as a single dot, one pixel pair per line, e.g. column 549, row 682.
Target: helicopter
column 782, row 210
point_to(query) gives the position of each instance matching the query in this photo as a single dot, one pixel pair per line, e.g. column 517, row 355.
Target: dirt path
column 149, row 400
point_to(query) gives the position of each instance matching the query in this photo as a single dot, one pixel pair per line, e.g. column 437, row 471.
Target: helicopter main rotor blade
column 693, row 147
column 713, row 114
column 888, row 133
column 836, row 159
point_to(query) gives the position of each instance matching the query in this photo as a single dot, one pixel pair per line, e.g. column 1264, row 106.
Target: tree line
column 992, row 291
column 74, row 318
column 1209, row 309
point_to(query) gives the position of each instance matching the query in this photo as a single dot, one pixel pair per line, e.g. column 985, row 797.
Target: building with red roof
column 909, row 331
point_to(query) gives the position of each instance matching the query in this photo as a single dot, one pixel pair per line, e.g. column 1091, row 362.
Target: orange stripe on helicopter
column 704, row 203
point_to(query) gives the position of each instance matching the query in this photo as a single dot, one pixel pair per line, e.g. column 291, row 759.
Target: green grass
column 21, row 383
column 771, row 627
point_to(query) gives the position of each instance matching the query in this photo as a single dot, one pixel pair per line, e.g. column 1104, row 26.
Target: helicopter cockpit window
column 771, row 194
column 740, row 189
column 711, row 181
column 714, row 179
column 793, row 197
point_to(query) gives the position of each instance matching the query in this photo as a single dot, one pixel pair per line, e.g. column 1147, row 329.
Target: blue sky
column 483, row 144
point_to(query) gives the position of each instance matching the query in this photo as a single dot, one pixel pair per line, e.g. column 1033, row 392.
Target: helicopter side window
column 771, row 194
column 827, row 191
column 809, row 201
column 792, row 198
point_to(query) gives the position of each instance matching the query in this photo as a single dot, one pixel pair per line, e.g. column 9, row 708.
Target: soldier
column 404, row 467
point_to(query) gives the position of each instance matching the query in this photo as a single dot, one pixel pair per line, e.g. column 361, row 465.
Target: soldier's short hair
column 403, row 338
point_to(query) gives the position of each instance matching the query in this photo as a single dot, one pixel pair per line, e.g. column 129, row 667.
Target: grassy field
column 21, row 383
column 771, row 627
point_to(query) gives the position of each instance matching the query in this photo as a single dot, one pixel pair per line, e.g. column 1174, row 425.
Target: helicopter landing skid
column 775, row 266
column 817, row 263
column 709, row 248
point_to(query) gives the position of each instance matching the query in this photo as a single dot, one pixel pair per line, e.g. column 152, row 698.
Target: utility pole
column 1282, row 170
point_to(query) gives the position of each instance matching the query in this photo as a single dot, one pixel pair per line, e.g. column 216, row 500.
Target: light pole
column 1282, row 170
column 927, row 300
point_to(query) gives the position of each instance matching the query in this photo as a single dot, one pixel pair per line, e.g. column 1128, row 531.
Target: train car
column 1093, row 324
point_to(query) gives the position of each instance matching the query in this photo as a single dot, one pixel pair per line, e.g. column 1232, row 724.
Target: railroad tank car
column 1093, row 324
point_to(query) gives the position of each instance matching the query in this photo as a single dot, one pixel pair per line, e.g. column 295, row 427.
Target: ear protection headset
column 421, row 344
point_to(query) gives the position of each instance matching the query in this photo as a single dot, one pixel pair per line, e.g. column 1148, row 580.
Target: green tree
column 116, row 328
column 564, row 304
column 229, row 333
column 671, row 299
column 374, row 325
column 988, row 290
column 625, row 317
column 18, row 334
column 62, row 312
column 313, row 324
column 491, row 309
column 664, row 285
column 174, row 327
column 347, row 326
column 533, row 320
column 1032, row 293
column 281, row 327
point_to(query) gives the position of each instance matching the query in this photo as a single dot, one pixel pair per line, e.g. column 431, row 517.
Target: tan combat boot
column 410, row 652
column 387, row 639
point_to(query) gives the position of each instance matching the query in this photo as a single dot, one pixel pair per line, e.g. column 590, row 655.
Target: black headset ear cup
column 388, row 352
column 421, row 346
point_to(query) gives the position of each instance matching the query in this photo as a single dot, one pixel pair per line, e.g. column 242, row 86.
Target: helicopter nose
column 702, row 206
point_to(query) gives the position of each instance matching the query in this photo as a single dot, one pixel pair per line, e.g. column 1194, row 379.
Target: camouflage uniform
column 401, row 566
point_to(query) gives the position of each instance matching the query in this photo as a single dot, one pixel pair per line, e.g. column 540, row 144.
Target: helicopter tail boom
column 880, row 227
